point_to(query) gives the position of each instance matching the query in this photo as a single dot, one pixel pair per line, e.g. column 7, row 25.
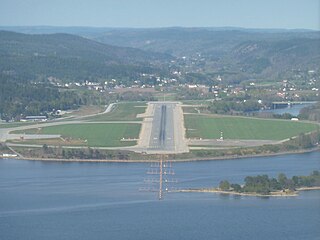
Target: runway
column 163, row 130
column 162, row 136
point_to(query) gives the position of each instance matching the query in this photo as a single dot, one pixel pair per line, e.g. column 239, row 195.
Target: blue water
column 41, row 200
column 294, row 110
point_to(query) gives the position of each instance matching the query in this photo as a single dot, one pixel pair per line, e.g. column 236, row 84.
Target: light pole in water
column 162, row 169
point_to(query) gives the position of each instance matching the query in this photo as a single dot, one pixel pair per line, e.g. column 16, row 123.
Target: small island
column 263, row 186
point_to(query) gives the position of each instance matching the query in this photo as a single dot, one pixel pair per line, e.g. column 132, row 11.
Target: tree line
column 19, row 98
column 262, row 184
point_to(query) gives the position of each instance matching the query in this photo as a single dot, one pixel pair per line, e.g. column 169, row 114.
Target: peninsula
column 263, row 186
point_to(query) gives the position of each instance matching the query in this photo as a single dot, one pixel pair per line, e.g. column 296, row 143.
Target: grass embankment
column 209, row 127
column 121, row 112
column 94, row 135
column 85, row 110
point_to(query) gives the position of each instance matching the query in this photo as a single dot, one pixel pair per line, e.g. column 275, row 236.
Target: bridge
column 290, row 103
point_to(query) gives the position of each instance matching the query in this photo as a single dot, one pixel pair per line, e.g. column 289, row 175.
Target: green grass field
column 243, row 128
column 97, row 135
column 121, row 112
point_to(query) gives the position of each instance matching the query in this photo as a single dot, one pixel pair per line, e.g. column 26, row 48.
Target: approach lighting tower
column 163, row 169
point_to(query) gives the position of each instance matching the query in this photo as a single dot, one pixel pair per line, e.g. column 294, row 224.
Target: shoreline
column 251, row 194
column 156, row 160
column 308, row 188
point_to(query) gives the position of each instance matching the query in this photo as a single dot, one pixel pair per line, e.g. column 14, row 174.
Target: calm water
column 293, row 110
column 100, row 201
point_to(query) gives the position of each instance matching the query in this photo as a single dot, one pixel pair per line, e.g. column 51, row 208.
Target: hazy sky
column 162, row 13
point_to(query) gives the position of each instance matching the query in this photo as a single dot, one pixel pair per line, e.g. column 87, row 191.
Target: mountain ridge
column 69, row 55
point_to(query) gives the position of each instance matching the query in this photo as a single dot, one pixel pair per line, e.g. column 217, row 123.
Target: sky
column 290, row 14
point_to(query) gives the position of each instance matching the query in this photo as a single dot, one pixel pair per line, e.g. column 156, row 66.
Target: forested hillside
column 232, row 52
column 27, row 61
column 18, row 98
column 239, row 50
column 154, row 57
column 71, row 57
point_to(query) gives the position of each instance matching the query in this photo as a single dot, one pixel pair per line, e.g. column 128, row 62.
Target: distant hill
column 172, row 39
column 179, row 41
column 26, row 61
column 71, row 57
column 276, row 56
column 237, row 53
column 97, row 54
column 265, row 52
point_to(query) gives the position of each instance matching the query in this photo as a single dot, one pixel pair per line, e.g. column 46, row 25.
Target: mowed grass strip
column 97, row 135
column 121, row 112
column 244, row 128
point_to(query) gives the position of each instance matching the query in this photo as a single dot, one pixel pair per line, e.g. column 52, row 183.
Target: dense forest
column 73, row 58
column 311, row 113
column 227, row 107
column 18, row 99
column 27, row 61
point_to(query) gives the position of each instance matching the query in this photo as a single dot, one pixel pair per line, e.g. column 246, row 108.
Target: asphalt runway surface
column 162, row 134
